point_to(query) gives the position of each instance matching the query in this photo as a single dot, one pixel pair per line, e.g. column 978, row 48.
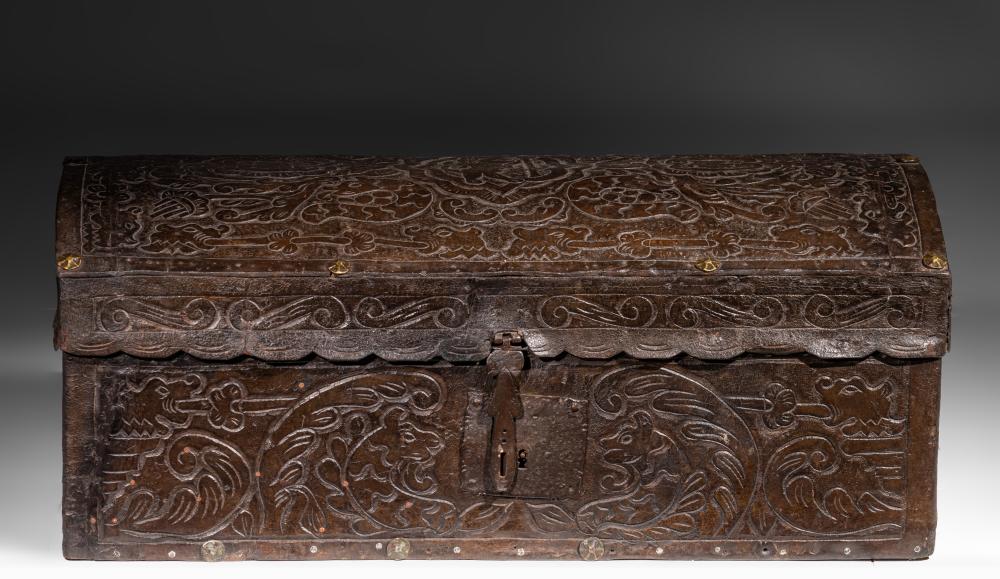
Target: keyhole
column 522, row 459
column 503, row 453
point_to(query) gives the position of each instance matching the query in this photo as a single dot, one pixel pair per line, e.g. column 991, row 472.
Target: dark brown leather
column 516, row 357
column 814, row 253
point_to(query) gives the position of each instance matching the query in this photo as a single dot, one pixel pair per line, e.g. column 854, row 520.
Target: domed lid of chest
column 280, row 257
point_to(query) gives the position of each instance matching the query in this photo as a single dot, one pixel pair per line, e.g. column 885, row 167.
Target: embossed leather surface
column 518, row 357
column 757, row 458
column 504, row 214
column 223, row 256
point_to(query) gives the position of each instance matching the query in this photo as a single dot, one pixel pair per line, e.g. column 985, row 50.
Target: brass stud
column 213, row 550
column 398, row 549
column 908, row 159
column 70, row 262
column 935, row 261
column 707, row 265
column 591, row 549
column 339, row 267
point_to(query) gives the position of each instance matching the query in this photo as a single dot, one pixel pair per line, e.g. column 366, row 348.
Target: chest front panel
column 753, row 457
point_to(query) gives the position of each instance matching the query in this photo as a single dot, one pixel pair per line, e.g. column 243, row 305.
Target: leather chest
column 516, row 357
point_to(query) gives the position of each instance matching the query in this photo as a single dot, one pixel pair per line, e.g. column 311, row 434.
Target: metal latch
column 505, row 366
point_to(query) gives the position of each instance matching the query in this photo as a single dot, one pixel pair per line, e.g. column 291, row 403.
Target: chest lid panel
column 837, row 255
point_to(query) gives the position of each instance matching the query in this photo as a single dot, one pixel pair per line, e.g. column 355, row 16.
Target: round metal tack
column 213, row 550
column 339, row 267
column 70, row 262
column 398, row 549
column 707, row 265
column 591, row 549
column 935, row 261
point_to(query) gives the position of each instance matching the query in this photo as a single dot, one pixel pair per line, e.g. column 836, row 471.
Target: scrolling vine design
column 500, row 208
column 195, row 454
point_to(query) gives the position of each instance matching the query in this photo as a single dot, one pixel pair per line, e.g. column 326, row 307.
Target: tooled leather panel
column 491, row 214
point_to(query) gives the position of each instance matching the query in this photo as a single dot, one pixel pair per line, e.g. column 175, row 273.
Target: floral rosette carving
column 632, row 196
column 385, row 193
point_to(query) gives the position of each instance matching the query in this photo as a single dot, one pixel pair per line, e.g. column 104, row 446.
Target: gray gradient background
column 429, row 78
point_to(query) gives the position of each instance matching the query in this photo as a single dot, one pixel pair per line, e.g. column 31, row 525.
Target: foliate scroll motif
column 359, row 453
column 312, row 312
column 903, row 232
column 499, row 189
column 700, row 311
column 516, row 209
column 672, row 452
column 435, row 312
column 124, row 314
column 629, row 196
column 159, row 313
column 727, row 311
column 591, row 311
column 844, row 311
column 848, row 480
column 210, row 482
column 167, row 477
column 382, row 195
column 675, row 460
